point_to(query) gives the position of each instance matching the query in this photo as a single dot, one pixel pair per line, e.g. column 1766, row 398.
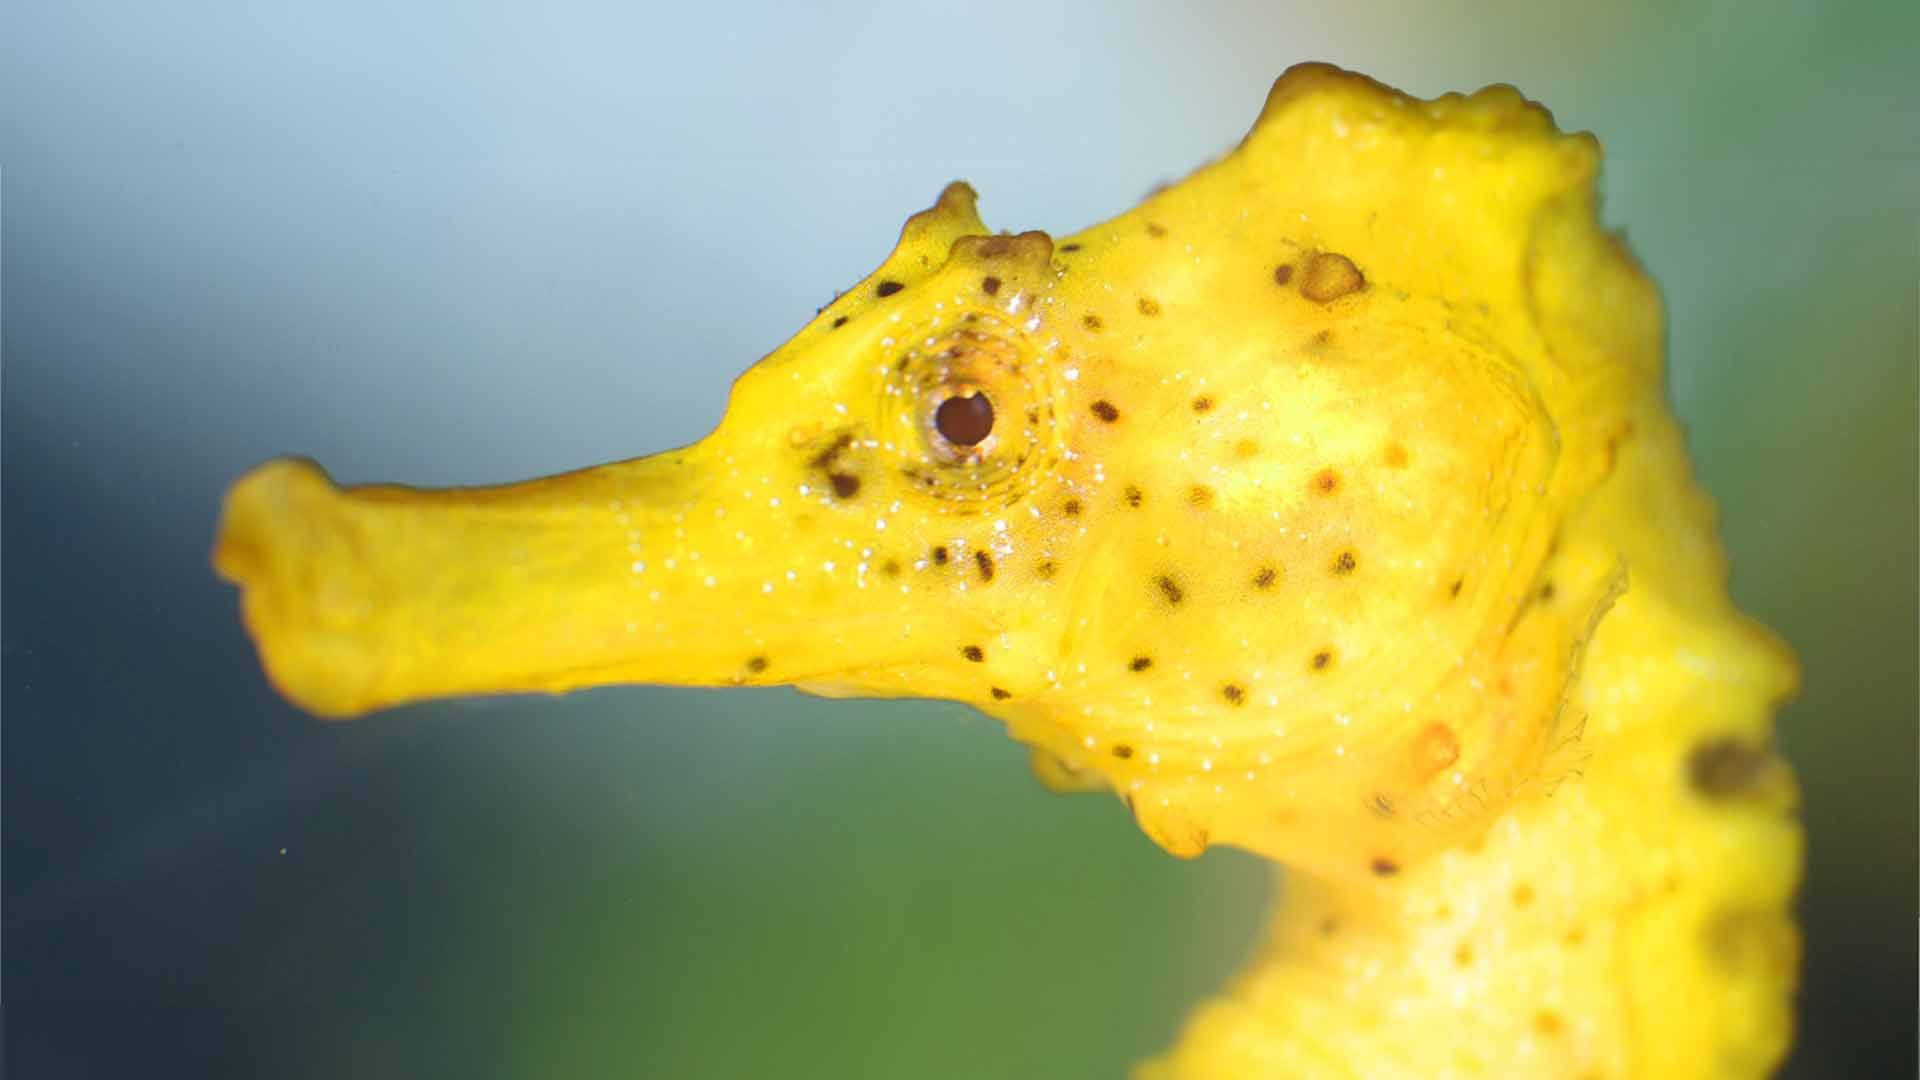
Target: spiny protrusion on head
column 1330, row 276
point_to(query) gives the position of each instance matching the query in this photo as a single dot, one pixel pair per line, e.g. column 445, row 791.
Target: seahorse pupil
column 964, row 421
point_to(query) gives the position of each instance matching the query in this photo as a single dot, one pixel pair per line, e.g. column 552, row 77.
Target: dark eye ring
column 964, row 419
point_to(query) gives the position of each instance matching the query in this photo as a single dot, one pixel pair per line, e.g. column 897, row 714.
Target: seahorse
column 1326, row 504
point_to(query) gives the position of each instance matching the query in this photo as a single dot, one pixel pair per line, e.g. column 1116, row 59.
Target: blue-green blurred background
column 479, row 242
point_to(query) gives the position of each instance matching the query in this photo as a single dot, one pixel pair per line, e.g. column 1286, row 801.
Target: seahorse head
column 1250, row 505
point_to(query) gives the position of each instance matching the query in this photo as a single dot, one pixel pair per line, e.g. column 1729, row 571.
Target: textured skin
column 1332, row 509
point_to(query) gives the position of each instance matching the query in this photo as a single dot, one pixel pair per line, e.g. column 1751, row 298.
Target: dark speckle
column 1091, row 322
column 845, row 485
column 1234, row 693
column 1326, row 481
column 1546, row 592
column 834, row 449
column 887, row 288
column 1140, row 663
column 1202, row 404
column 757, row 664
column 1283, row 273
column 1265, row 578
column 839, row 322
column 1725, row 767
column 990, row 285
column 998, row 694
column 974, row 653
column 891, row 568
column 1046, row 570
column 1072, row 508
column 1200, row 495
column 1134, row 495
column 985, row 562
column 1105, row 410
column 1154, row 228
column 1322, row 660
column 1122, row 751
column 1381, row 805
column 1454, row 589
column 1069, row 247
column 1384, row 866
column 1170, row 589
column 1149, row 306
column 940, row 556
column 1344, row 563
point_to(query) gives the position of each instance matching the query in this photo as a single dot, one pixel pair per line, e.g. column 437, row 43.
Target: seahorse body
column 1326, row 504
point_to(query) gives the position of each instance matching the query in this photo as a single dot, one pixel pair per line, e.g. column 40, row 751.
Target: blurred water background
column 478, row 242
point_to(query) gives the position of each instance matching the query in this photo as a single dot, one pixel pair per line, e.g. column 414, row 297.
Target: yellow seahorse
column 1326, row 504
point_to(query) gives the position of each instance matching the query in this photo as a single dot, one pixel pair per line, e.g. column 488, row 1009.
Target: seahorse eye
column 964, row 420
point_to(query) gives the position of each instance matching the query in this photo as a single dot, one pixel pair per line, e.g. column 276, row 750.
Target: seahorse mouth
column 364, row 597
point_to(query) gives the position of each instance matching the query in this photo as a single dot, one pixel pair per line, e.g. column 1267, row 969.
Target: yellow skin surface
column 1331, row 509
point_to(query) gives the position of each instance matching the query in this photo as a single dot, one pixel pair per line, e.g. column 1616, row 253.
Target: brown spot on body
column 887, row 288
column 998, row 694
column 1381, row 805
column 1140, row 663
column 974, row 653
column 1546, row 592
column 1283, row 273
column 940, row 556
column 757, row 664
column 838, row 322
column 1149, row 306
column 833, row 450
column 1069, row 247
column 990, row 285
column 1091, row 322
column 1105, row 410
column 1329, row 926
column 1265, row 577
column 1072, row 508
column 1046, row 570
column 1154, row 228
column 1200, row 495
column 1122, row 751
column 1170, row 589
column 1326, row 482
column 1726, row 767
column 1436, row 748
column 985, row 562
column 1345, row 563
column 1134, row 495
column 1202, row 404
column 891, row 568
column 1322, row 660
column 1330, row 276
column 1454, row 589
column 845, row 485
column 1234, row 693
column 1384, row 866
